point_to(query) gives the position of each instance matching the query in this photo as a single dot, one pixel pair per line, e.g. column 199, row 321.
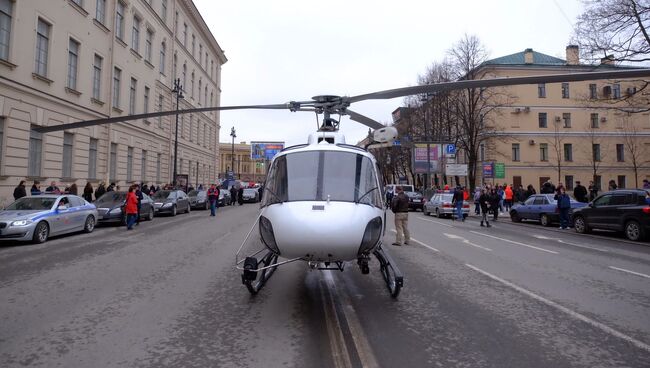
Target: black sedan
column 626, row 210
column 171, row 202
column 416, row 201
column 110, row 207
column 199, row 199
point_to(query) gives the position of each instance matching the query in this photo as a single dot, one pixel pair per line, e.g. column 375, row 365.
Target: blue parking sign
column 451, row 149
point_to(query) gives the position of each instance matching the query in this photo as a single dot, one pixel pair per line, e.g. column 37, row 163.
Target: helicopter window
column 319, row 175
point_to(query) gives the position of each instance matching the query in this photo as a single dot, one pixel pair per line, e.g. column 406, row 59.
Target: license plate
column 100, row 217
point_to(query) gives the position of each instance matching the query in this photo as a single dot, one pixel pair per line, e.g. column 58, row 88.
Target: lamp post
column 425, row 101
column 178, row 90
column 232, row 156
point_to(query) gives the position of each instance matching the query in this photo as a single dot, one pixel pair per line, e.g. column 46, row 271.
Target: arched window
column 163, row 52
column 192, row 86
column 185, row 76
column 174, row 66
column 200, row 85
column 205, row 96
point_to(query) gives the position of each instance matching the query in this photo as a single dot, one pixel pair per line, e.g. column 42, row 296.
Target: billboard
column 488, row 170
column 265, row 150
column 456, row 169
column 420, row 158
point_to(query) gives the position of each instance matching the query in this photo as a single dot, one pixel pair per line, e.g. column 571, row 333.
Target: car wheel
column 188, row 209
column 633, row 230
column 173, row 210
column 151, row 214
column 41, row 232
column 426, row 213
column 207, row 206
column 545, row 220
column 437, row 213
column 514, row 216
column 580, row 225
column 89, row 225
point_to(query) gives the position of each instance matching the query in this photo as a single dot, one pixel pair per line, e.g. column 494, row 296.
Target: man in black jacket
column 20, row 191
column 580, row 192
column 484, row 202
column 400, row 206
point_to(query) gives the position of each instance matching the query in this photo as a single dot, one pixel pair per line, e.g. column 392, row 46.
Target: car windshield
column 250, row 191
column 321, row 176
column 111, row 197
column 164, row 194
column 193, row 193
column 32, row 204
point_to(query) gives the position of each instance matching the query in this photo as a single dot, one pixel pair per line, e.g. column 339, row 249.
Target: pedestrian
column 73, row 189
column 612, row 185
column 646, row 184
column 101, row 189
column 36, row 188
column 213, row 198
column 240, row 196
column 494, row 204
column 140, row 197
column 144, row 189
column 530, row 190
column 19, row 190
column 580, row 192
column 501, row 194
column 53, row 188
column 457, row 203
column 520, row 194
column 131, row 207
column 111, row 187
column 564, row 206
column 400, row 207
column 593, row 191
column 88, row 192
column 547, row 188
column 508, row 198
column 484, row 201
column 233, row 195
column 477, row 206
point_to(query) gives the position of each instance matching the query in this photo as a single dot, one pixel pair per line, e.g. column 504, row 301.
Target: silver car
column 39, row 217
column 440, row 204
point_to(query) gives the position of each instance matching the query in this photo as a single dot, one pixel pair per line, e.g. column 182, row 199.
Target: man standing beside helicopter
column 400, row 207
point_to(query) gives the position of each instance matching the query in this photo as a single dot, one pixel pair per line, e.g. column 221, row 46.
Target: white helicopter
column 322, row 202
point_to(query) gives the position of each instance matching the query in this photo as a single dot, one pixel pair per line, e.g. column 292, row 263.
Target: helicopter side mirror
column 385, row 135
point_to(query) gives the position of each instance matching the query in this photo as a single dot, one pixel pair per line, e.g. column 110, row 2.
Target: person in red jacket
column 131, row 208
column 508, row 198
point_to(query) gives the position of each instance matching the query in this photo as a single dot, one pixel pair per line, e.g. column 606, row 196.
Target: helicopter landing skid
column 392, row 275
column 257, row 273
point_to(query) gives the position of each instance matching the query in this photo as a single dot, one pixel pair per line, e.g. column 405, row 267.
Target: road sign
column 500, row 170
column 450, row 149
column 456, row 169
column 488, row 170
column 397, row 143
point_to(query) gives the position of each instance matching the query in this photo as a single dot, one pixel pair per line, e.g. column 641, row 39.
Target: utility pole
column 232, row 156
column 178, row 90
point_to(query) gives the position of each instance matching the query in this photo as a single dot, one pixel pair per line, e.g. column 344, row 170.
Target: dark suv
column 624, row 210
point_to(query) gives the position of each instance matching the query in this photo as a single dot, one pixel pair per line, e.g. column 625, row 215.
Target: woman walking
column 88, row 192
column 484, row 202
column 131, row 208
column 20, row 191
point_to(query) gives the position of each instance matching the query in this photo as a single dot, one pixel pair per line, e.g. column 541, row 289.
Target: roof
column 518, row 59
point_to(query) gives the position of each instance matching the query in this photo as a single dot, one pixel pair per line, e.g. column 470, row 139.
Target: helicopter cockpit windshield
column 321, row 176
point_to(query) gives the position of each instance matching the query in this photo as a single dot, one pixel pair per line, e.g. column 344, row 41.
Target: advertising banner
column 265, row 150
column 420, row 158
column 456, row 169
column 500, row 170
column 488, row 170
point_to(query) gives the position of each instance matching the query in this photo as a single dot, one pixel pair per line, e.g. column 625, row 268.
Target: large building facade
column 237, row 158
column 63, row 61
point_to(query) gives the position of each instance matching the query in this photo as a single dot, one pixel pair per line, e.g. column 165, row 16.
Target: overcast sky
column 284, row 50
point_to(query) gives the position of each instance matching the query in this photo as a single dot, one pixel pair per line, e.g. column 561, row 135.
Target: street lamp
column 178, row 90
column 232, row 156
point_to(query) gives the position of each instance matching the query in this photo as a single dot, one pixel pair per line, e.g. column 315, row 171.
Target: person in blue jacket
column 564, row 206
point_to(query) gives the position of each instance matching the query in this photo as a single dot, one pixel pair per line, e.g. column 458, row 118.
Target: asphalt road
column 167, row 295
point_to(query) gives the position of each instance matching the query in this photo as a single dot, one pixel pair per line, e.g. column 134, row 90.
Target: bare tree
column 557, row 145
column 638, row 154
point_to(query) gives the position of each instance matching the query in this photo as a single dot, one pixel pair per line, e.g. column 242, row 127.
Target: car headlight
column 266, row 232
column 371, row 235
column 116, row 210
column 21, row 223
column 168, row 204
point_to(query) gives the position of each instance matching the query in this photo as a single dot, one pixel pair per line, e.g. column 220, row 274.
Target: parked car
column 224, row 198
column 39, row 217
column 542, row 208
column 199, row 199
column 251, row 195
column 441, row 205
column 110, row 207
column 416, row 201
column 626, row 210
column 171, row 201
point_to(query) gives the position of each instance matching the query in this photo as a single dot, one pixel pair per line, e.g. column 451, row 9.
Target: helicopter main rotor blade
column 117, row 119
column 364, row 119
column 480, row 83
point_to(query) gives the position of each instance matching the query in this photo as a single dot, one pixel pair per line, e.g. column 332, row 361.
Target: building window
column 67, row 155
column 160, row 108
column 200, row 88
column 79, row 2
column 193, row 46
column 119, row 20
column 620, row 153
column 175, row 66
column 100, row 11
column 2, row 134
column 158, row 164
column 163, row 10
column 73, row 62
column 148, row 45
column 181, row 126
column 616, row 91
column 35, row 153
column 146, row 100
column 184, row 33
column 201, row 55
column 97, row 77
column 135, row 35
column 133, row 89
column 185, row 76
column 594, row 121
column 568, row 182
column 593, row 91
column 42, row 47
column 192, row 86
column 565, row 90
column 6, row 10
column 129, row 164
column 543, row 151
column 516, row 153
column 568, row 152
column 163, row 52
column 143, row 166
column 113, row 173
column 622, row 183
column 481, row 150
column 191, row 128
column 542, row 119
column 595, row 149
column 205, row 96
column 92, row 159
column 117, row 75
column 566, row 117
column 541, row 90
